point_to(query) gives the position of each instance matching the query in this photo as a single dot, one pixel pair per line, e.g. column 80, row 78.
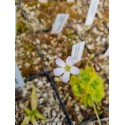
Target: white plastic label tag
column 92, row 11
column 77, row 51
column 43, row 1
column 18, row 78
column 70, row 1
column 59, row 23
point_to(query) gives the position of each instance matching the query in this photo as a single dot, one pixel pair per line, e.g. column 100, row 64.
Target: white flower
column 66, row 68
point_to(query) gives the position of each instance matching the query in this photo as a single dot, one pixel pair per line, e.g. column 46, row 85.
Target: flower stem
column 96, row 113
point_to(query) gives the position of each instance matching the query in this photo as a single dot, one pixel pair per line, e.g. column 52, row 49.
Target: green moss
column 21, row 27
column 29, row 46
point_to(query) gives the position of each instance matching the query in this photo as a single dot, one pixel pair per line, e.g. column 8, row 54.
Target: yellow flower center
column 67, row 68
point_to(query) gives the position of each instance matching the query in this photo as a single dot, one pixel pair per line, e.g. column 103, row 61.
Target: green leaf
column 40, row 116
column 98, row 95
column 77, row 90
column 32, row 117
column 33, row 113
column 88, row 86
column 84, row 76
column 89, row 101
column 34, row 99
column 74, row 80
column 26, row 110
column 26, row 120
column 34, row 122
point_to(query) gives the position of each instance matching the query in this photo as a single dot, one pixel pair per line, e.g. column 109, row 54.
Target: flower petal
column 74, row 70
column 58, row 71
column 60, row 62
column 66, row 76
column 70, row 61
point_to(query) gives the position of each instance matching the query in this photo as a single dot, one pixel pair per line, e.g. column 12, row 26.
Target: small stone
column 38, row 59
column 79, row 28
column 82, row 107
column 79, row 117
column 53, row 123
column 45, row 95
column 27, row 65
column 43, row 122
column 33, row 54
column 39, row 84
column 43, row 1
column 104, row 39
column 36, row 80
column 70, row 1
column 24, row 92
column 36, row 68
column 38, row 95
column 56, row 119
column 53, row 113
column 41, row 100
column 21, row 105
column 47, row 85
column 35, row 62
column 38, row 5
column 77, row 108
column 59, row 123
column 38, row 41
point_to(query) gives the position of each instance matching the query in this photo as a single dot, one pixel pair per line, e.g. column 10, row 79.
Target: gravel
column 48, row 104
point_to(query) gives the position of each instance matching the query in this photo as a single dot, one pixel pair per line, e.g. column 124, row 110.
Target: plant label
column 59, row 23
column 18, row 78
column 43, row 1
column 77, row 51
column 70, row 1
column 92, row 11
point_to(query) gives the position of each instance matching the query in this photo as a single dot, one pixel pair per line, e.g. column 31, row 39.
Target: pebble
column 35, row 62
column 82, row 107
column 45, row 95
column 37, row 41
column 54, row 123
column 36, row 68
column 43, row 122
column 56, row 119
column 24, row 92
column 36, row 80
column 77, row 109
column 40, row 84
column 27, row 65
column 59, row 123
column 80, row 116
column 21, row 105
column 41, row 100
column 53, row 113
